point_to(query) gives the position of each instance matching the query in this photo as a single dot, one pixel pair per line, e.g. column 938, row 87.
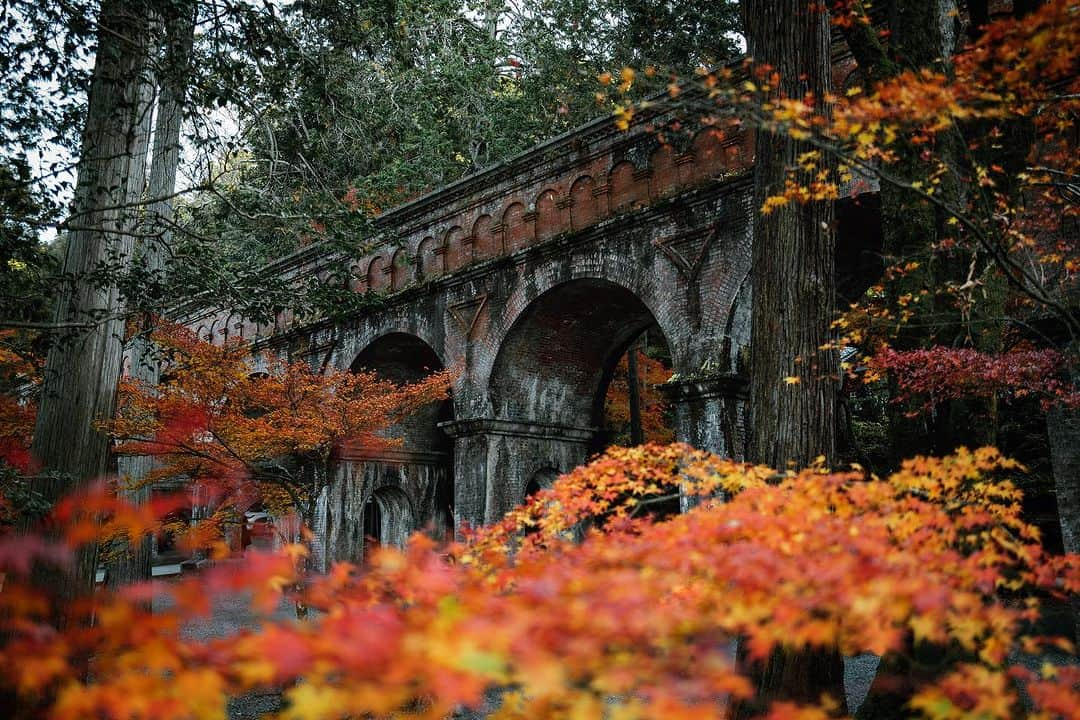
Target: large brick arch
column 389, row 492
column 405, row 358
column 559, row 351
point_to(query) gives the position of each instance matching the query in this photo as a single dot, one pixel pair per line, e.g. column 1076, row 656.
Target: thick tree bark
column 1063, row 429
column 133, row 565
column 794, row 375
column 793, row 381
column 82, row 371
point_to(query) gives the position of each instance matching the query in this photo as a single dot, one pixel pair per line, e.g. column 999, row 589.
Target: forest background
column 337, row 110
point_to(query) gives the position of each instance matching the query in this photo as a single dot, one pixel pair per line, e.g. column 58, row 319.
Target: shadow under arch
column 557, row 359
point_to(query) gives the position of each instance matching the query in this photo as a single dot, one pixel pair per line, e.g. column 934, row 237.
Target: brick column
column 494, row 460
column 710, row 413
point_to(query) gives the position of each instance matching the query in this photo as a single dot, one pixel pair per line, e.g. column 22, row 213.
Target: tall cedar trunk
column 793, row 258
column 83, row 369
column 793, row 305
column 1063, row 428
column 134, row 564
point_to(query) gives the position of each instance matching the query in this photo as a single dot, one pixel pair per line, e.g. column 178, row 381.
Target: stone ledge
column 396, row 456
column 727, row 385
column 517, row 428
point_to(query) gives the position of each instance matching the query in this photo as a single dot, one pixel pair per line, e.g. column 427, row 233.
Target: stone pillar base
column 495, row 460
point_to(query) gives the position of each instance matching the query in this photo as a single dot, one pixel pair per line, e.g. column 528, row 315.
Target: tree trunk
column 1063, row 429
column 134, row 564
column 637, row 437
column 794, row 382
column 82, row 370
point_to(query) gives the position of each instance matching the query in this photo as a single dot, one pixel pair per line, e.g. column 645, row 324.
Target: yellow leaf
column 791, row 380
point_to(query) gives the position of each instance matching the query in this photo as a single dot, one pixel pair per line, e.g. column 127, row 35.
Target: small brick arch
column 215, row 335
column 541, row 479
column 234, row 327
column 665, row 173
column 709, row 158
column 389, row 518
column 457, row 250
column 516, row 231
column 549, row 216
column 624, row 187
column 376, row 277
column 582, row 202
column 484, row 244
column 733, row 159
column 401, row 270
column 429, row 261
column 357, row 278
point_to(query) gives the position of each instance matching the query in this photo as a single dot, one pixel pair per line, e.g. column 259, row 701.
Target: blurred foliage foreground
column 581, row 604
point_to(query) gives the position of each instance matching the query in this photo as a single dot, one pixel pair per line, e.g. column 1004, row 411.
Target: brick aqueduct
column 531, row 279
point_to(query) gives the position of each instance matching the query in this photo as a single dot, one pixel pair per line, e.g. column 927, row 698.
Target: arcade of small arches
column 580, row 197
column 569, row 203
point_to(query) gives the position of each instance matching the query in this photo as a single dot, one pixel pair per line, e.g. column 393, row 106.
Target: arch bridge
column 531, row 279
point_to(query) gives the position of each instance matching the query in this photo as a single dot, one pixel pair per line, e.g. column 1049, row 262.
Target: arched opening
column 635, row 410
column 388, row 519
column 558, row 360
column 422, row 467
column 558, row 374
column 541, row 480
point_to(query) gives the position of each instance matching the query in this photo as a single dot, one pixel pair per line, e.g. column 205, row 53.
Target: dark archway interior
column 859, row 262
column 404, row 358
column 388, row 518
column 557, row 360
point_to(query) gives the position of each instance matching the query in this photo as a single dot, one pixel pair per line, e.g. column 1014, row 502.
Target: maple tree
column 655, row 424
column 246, row 437
column 971, row 153
column 634, row 620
